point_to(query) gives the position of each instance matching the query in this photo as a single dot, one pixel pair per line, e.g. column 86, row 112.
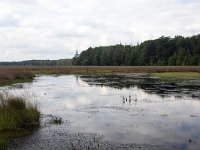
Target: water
column 119, row 112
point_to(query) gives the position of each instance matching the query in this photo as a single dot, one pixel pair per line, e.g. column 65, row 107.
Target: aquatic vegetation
column 188, row 86
column 56, row 120
column 176, row 75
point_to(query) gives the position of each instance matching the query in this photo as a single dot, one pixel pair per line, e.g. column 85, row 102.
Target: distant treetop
column 164, row 51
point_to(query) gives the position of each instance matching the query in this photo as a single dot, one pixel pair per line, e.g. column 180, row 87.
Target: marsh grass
column 3, row 144
column 108, row 69
column 19, row 115
column 17, row 112
column 177, row 75
column 14, row 74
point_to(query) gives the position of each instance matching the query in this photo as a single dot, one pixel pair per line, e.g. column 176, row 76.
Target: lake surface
column 114, row 112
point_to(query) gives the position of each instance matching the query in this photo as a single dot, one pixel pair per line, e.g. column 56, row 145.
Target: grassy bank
column 18, row 116
column 177, row 75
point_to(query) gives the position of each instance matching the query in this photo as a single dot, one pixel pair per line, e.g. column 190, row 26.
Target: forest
column 60, row 62
column 164, row 51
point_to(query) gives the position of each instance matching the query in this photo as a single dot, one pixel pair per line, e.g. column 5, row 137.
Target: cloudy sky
column 53, row 29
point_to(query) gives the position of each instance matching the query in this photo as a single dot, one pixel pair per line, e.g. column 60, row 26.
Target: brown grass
column 20, row 74
column 114, row 69
column 14, row 74
column 18, row 71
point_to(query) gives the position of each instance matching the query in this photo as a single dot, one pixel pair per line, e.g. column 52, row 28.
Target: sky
column 55, row 29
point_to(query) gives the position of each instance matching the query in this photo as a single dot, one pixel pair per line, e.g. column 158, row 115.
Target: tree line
column 164, row 51
column 60, row 62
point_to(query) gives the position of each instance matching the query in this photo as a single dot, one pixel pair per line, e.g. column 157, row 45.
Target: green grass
column 3, row 144
column 17, row 112
column 18, row 116
column 176, row 75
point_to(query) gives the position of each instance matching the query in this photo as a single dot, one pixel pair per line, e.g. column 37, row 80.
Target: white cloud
column 52, row 29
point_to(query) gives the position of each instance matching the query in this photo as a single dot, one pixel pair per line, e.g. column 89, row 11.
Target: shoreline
column 11, row 75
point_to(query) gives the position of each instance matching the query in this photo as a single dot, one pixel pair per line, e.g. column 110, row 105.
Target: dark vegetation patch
column 182, row 87
column 18, row 116
column 3, row 144
column 56, row 120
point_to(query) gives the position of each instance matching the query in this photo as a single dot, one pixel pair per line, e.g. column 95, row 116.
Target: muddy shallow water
column 114, row 112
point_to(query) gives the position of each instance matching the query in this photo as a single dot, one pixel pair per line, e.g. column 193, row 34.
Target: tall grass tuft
column 17, row 112
column 3, row 144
